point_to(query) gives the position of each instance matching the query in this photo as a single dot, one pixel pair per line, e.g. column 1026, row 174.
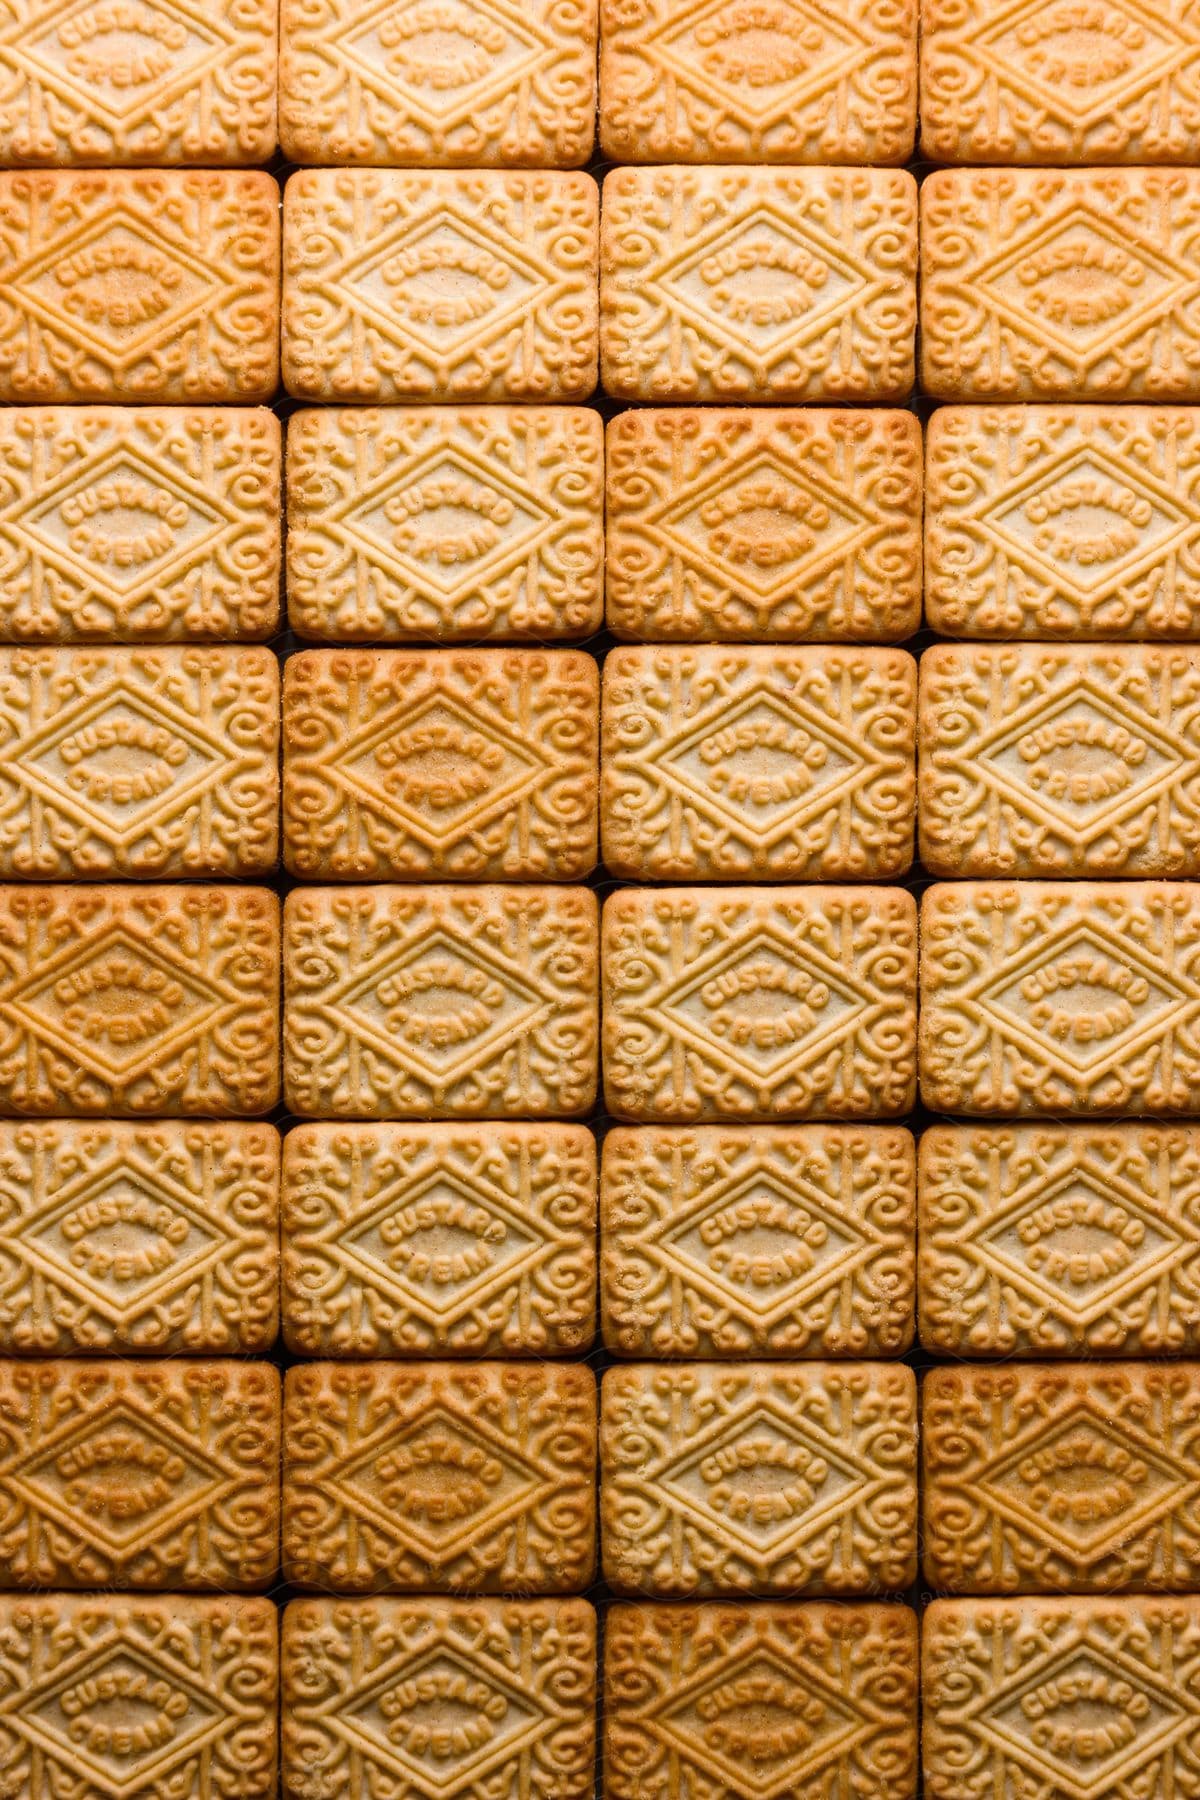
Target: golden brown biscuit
column 758, row 1478
column 441, row 524
column 439, row 285
column 773, row 1701
column 778, row 83
column 418, row 1002
column 155, row 1475
column 127, row 285
column 1042, row 759
column 439, row 1477
column 469, row 765
column 1061, row 1478
column 764, row 764
column 444, row 1698
column 151, row 1000
column 727, row 524
column 758, row 284
column 1063, row 521
column 149, row 81
column 1063, row 1698
column 1060, row 285
column 1060, row 1240
column 138, row 1238
column 439, row 1240
column 759, row 1003
column 788, row 1240
column 133, row 1696
column 147, row 762
column 471, row 83
column 138, row 524
column 1059, row 83
column 1044, row 997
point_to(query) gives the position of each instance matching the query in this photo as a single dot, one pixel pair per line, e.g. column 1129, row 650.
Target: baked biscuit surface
column 758, row 284
column 782, row 83
column 479, row 84
column 445, row 524
column 128, row 285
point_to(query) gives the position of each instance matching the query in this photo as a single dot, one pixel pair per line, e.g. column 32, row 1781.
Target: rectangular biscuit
column 467, row 765
column 1045, row 997
column 758, row 1478
column 150, row 82
column 437, row 1696
column 759, row 1003
column 1061, row 1697
column 159, row 1238
column 788, row 1240
column 439, row 1477
column 138, row 1695
column 445, row 524
column 767, row 1699
column 726, row 83
column 439, row 1240
column 1060, row 284
column 1040, row 759
column 442, row 1002
column 139, row 524
column 149, row 1000
column 1070, row 522
column 1060, row 1240
column 139, row 762
column 155, row 1475
column 758, row 284
column 776, row 525
column 1061, row 1477
column 475, row 85
column 139, row 286
column 758, row 764
column 443, row 284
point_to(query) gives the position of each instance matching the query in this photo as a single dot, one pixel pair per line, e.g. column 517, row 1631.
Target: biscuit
column 1060, row 1240
column 125, row 762
column 154, row 1475
column 759, row 1478
column 445, row 1698
column 1062, row 1698
column 158, row 1238
column 1060, row 760
column 467, row 765
column 1043, row 997
column 131, row 286
column 441, row 285
column 777, row 525
column 764, row 764
column 439, row 1477
column 439, row 1240
column 444, row 524
column 153, row 1000
column 1060, row 284
column 792, row 1240
column 1063, row 522
column 467, row 83
column 759, row 1003
column 1054, row 84
column 1061, row 1478
column 726, row 83
column 758, row 284
column 135, row 1696
column 138, row 524
column 766, row 1700
column 151, row 82
column 411, row 1002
